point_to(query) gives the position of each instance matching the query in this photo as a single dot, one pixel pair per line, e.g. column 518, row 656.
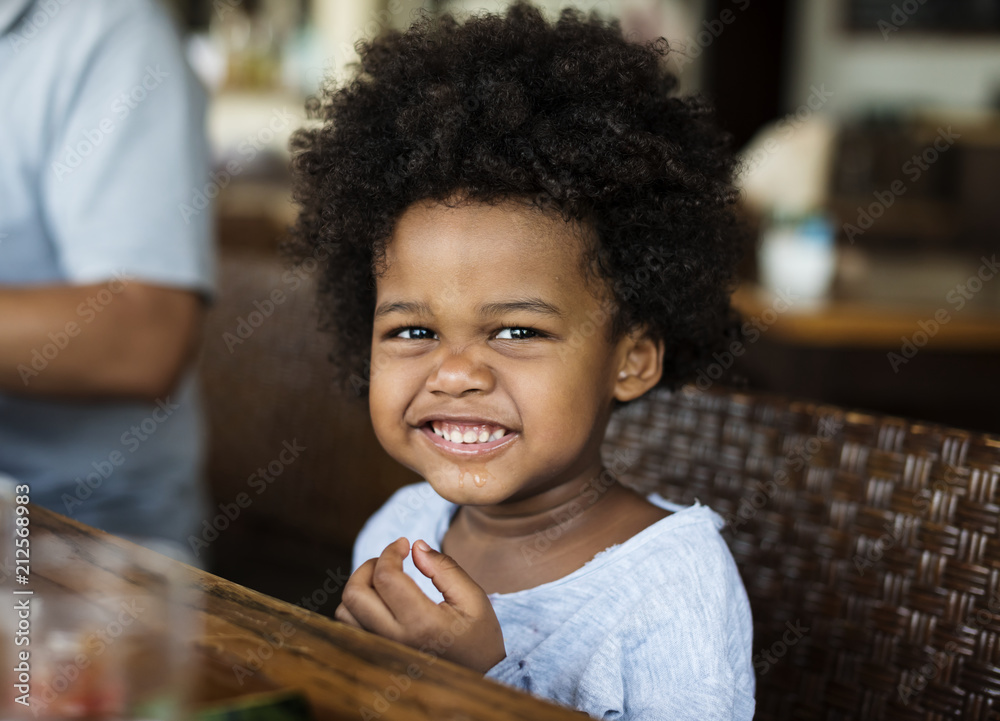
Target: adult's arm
column 120, row 339
column 125, row 155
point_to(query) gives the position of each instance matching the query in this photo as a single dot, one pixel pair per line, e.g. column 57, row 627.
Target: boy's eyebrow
column 485, row 310
column 402, row 307
column 529, row 305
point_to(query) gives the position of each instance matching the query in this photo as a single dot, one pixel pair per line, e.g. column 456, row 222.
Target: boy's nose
column 459, row 372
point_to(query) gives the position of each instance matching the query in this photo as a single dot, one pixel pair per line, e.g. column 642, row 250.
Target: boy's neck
column 527, row 543
column 565, row 507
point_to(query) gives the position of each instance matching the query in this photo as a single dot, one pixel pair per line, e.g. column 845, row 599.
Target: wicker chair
column 869, row 546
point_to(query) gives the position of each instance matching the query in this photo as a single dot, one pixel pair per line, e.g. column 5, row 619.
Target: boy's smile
column 492, row 376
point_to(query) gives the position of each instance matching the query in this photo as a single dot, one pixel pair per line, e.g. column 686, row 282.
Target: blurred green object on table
column 281, row 706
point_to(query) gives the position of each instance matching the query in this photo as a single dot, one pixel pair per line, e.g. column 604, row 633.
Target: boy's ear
column 641, row 366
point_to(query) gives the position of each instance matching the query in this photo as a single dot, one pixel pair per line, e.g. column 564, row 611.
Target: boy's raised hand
column 380, row 597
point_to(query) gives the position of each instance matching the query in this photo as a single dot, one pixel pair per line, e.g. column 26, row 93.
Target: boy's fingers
column 400, row 593
column 363, row 602
column 457, row 586
column 342, row 614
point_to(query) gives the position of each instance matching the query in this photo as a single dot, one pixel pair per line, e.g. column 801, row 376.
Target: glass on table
column 109, row 632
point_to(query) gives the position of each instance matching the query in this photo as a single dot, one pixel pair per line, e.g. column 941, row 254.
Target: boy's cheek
column 382, row 433
column 389, row 370
column 397, row 439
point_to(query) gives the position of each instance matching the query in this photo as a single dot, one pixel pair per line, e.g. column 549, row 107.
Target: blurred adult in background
column 104, row 265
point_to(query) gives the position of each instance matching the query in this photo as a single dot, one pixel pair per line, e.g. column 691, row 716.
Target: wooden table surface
column 346, row 673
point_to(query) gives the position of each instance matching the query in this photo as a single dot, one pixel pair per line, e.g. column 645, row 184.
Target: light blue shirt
column 657, row 627
column 102, row 141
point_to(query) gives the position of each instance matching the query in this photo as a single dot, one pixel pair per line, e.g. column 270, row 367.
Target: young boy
column 523, row 230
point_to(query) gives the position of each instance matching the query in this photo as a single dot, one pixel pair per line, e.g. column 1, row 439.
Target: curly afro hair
column 569, row 116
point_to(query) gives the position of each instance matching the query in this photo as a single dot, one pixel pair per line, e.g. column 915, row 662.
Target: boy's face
column 485, row 328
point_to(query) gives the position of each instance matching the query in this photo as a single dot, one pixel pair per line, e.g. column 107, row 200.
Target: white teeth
column 472, row 435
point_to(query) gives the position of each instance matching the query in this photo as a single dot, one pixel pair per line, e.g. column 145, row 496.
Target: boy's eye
column 517, row 334
column 414, row 333
column 509, row 333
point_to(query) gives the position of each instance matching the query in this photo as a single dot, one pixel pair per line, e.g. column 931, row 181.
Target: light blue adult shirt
column 102, row 140
column 656, row 628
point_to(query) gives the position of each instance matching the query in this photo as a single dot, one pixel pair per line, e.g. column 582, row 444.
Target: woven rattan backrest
column 868, row 545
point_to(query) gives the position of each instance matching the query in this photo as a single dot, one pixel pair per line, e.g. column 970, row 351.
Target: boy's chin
column 467, row 488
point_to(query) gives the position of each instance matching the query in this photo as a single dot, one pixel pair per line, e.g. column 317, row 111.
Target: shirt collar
column 10, row 12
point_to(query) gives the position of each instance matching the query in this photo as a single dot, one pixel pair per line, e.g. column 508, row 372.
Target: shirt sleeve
column 128, row 156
